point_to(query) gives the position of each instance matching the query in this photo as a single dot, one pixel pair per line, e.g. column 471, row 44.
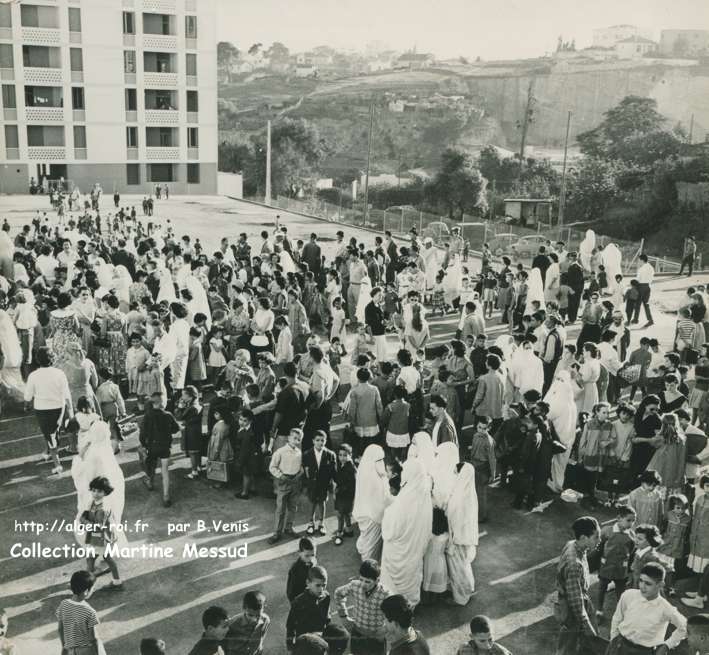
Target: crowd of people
column 264, row 340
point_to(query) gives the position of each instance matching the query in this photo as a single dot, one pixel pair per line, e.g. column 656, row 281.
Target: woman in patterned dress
column 85, row 310
column 64, row 329
column 112, row 355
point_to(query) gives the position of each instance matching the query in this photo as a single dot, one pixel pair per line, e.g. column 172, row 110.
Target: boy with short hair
column 482, row 457
column 248, row 629
column 310, row 611
column 345, row 483
column 215, row 622
column 298, row 572
column 287, row 470
column 481, row 639
column 616, row 548
column 698, row 634
column 77, row 620
column 152, row 646
column 320, row 467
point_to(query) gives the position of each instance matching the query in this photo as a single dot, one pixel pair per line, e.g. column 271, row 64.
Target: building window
column 132, row 137
column 39, row 16
column 79, row 136
column 131, row 100
column 45, row 135
column 191, row 64
column 133, row 174
column 77, row 59
column 128, row 22
column 191, row 27
column 192, row 173
column 74, row 19
column 12, row 136
column 160, row 99
column 192, row 137
column 44, row 96
column 161, row 173
column 39, row 56
column 161, row 137
column 9, row 98
column 77, row 97
column 165, row 134
column 5, row 15
column 159, row 24
column 7, row 59
column 129, row 61
column 192, row 101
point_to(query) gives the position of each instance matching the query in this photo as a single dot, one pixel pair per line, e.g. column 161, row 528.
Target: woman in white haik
column 406, row 531
column 431, row 262
column 453, row 280
column 586, row 249
column 364, row 298
column 535, row 291
column 463, row 533
column 612, row 260
column 372, row 496
column 562, row 414
column 444, row 473
column 11, row 384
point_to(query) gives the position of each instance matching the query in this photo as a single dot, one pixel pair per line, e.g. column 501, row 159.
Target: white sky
column 497, row 29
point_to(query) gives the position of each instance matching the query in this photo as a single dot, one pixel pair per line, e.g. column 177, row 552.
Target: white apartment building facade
column 117, row 92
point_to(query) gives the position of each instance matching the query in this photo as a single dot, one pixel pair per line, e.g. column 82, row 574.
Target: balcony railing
column 190, row 5
column 41, row 36
column 162, row 117
column 129, row 40
column 163, row 154
column 160, row 6
column 12, row 153
column 159, row 42
column 44, row 114
column 131, row 116
column 80, row 153
column 190, row 43
column 129, row 78
column 43, row 76
column 160, row 80
column 46, row 153
column 78, row 115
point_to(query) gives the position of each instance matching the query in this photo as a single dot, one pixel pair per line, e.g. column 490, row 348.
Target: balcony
column 162, row 117
column 190, row 44
column 190, row 5
column 159, row 42
column 128, row 3
column 192, row 153
column 44, row 114
column 43, row 76
column 80, row 153
column 132, row 154
column 12, row 153
column 41, row 36
column 160, row 80
column 7, row 74
column 129, row 78
column 160, row 6
column 46, row 153
column 163, row 154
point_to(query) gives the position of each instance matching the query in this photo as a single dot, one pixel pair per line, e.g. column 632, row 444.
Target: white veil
column 364, row 298
column 167, row 287
column 11, row 375
column 612, row 260
column 199, row 302
column 586, row 248
column 535, row 290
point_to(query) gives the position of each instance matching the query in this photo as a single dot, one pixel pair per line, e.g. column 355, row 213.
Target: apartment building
column 117, row 92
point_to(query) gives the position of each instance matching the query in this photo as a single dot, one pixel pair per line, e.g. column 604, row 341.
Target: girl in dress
column 196, row 367
column 220, row 449
column 588, row 375
column 435, row 575
column 137, row 357
column 595, row 447
column 646, row 500
column 338, row 328
column 216, row 361
column 674, row 537
column 284, row 346
column 670, row 458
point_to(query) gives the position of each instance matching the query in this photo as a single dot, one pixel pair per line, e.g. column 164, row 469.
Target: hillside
column 461, row 106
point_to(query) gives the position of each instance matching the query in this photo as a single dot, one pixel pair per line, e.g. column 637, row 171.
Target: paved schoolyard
column 514, row 569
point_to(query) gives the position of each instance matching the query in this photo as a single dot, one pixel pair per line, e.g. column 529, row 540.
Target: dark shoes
column 274, row 539
column 148, row 484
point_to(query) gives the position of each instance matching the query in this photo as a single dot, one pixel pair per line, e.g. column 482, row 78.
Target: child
column 647, row 539
column 489, row 293
column 152, row 646
column 674, row 537
column 438, row 302
column 482, row 457
column 595, row 448
column 481, row 639
column 646, row 500
column 338, row 328
column 137, row 357
column 216, row 361
column 284, row 345
column 435, row 574
column 335, row 354
column 395, row 423
column 248, row 452
column 320, row 467
column 363, row 343
column 108, row 395
column 215, row 622
column 247, row 630
column 77, row 620
column 632, row 301
column 337, row 638
column 310, row 611
column 98, row 523
column 85, row 417
column 344, row 492
column 6, row 646
column 196, row 367
column 602, row 279
column 219, row 448
column 616, row 549
column 298, row 572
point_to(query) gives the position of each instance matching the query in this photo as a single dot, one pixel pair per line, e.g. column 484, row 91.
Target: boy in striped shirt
column 78, row 621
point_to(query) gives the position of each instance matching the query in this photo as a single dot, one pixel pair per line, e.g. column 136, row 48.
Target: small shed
column 529, row 211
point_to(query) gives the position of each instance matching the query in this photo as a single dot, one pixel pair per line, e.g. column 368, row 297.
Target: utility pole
column 267, row 199
column 562, row 193
column 691, row 130
column 369, row 159
column 528, row 111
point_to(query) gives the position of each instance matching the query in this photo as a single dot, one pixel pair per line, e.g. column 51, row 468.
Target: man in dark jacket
column 575, row 279
column 312, row 254
column 542, row 262
column 374, row 320
column 320, row 466
column 124, row 258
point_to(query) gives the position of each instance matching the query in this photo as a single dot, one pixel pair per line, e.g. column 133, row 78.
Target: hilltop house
column 413, row 60
column 607, row 37
column 634, row 47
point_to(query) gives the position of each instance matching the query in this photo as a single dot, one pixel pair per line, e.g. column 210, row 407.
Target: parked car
column 528, row 246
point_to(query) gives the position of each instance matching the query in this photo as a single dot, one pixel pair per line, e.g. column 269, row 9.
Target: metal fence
column 518, row 242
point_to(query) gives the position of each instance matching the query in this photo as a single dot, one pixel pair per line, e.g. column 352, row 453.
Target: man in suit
column 542, row 262
column 320, row 466
column 374, row 320
column 312, row 255
column 575, row 279
column 488, row 400
column 124, row 258
column 443, row 428
column 392, row 254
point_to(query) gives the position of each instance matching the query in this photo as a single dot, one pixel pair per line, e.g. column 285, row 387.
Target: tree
column 458, row 186
column 278, row 53
column 634, row 116
column 253, row 50
column 591, row 188
column 227, row 55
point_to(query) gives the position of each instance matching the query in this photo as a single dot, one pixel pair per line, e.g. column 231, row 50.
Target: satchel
column 691, row 356
column 217, row 471
column 630, row 374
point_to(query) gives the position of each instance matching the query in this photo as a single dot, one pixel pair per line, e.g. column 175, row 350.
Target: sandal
column 322, row 531
column 338, row 540
column 310, row 530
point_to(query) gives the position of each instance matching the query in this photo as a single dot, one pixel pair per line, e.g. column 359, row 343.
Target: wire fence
column 517, row 242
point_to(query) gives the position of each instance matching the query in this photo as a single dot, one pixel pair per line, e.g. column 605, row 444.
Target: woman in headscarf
column 444, row 473
column 423, row 450
column 364, row 298
column 200, row 302
column 562, row 417
column 463, row 534
column 406, row 531
column 430, row 258
column 452, row 280
column 11, row 354
column 586, row 248
column 85, row 310
column 167, row 287
column 286, row 262
column 372, row 497
column 526, row 371
column 612, row 261
column 121, row 283
column 7, row 253
column 552, row 280
column 180, row 332
column 81, row 374
column 535, row 291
